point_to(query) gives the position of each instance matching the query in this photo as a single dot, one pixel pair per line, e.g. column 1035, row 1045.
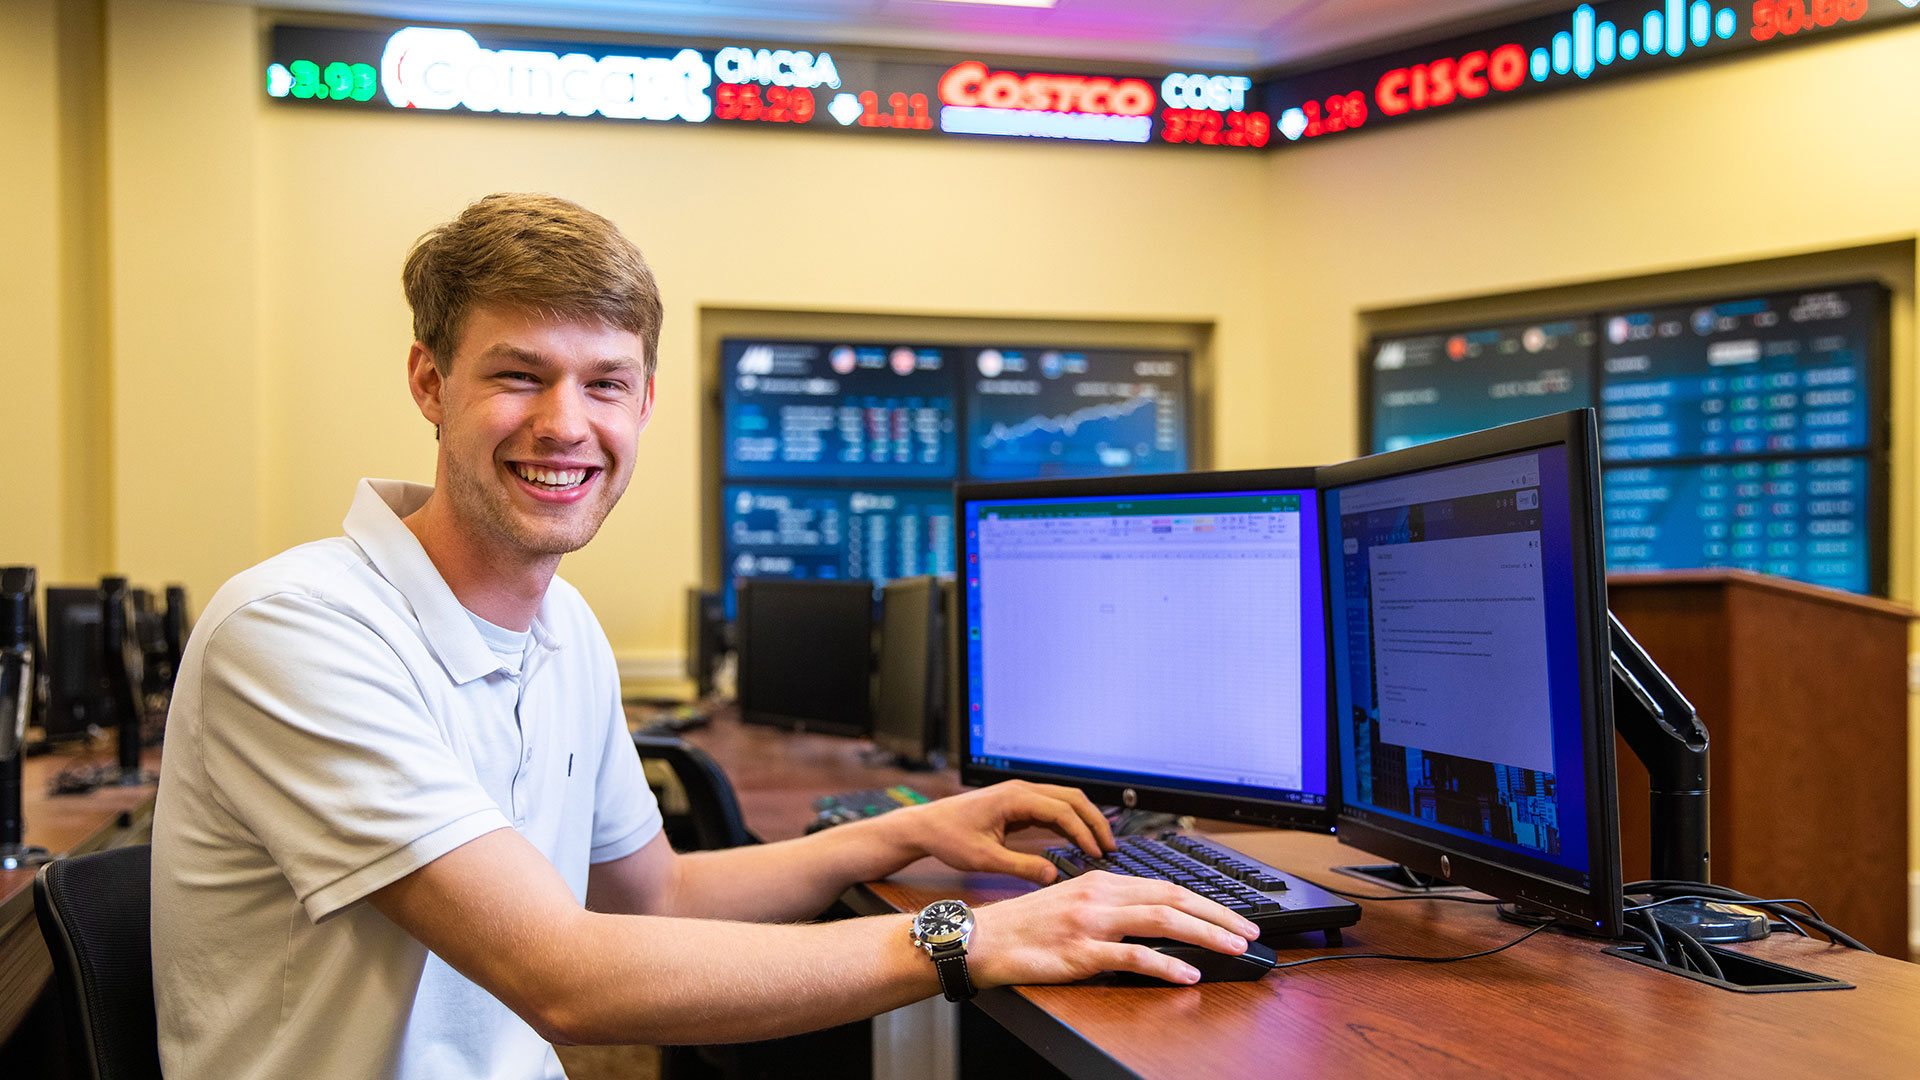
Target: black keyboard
column 838, row 809
column 1278, row 903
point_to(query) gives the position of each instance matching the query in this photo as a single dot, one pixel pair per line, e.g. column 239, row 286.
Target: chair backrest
column 94, row 914
column 717, row 822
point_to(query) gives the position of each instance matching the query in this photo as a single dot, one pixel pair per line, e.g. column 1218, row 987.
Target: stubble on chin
column 485, row 508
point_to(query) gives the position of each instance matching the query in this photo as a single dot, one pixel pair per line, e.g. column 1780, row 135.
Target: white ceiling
column 1242, row 34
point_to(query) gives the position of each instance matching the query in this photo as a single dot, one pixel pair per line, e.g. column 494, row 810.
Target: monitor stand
column 1661, row 728
column 1400, row 878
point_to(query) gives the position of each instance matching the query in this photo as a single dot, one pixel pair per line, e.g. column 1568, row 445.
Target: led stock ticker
column 443, row 69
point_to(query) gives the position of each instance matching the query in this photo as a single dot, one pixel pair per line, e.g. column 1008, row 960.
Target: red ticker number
column 773, row 104
column 1210, row 128
column 1772, row 17
column 1341, row 112
column 907, row 111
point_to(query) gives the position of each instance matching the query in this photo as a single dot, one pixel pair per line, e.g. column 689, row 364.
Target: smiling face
column 538, row 418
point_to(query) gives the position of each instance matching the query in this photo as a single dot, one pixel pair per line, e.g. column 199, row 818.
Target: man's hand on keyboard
column 969, row 831
column 1073, row 931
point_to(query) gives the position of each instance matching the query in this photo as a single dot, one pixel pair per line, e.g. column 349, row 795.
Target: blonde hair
column 536, row 252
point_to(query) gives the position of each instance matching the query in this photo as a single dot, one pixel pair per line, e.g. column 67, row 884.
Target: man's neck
column 504, row 588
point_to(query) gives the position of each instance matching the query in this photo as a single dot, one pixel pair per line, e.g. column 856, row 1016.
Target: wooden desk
column 67, row 825
column 1551, row 1006
column 777, row 774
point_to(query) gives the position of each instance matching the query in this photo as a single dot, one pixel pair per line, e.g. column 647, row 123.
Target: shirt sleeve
column 317, row 739
column 625, row 814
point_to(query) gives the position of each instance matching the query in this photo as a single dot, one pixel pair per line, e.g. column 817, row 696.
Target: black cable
column 1714, row 899
column 1415, row 959
column 1718, row 892
column 1702, row 960
column 1649, row 943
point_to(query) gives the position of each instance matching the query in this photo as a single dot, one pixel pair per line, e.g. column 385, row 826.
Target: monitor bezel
column 1141, row 791
column 1441, row 854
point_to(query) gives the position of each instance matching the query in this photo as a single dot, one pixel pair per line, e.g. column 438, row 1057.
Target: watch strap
column 950, row 965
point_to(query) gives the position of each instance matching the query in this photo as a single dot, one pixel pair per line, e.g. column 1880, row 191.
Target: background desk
column 68, row 825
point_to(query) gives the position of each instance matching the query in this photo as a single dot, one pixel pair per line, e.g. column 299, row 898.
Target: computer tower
column 706, row 626
column 78, row 697
column 911, row 699
column 806, row 654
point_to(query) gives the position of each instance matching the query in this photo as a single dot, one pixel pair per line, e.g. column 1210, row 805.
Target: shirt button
column 528, row 758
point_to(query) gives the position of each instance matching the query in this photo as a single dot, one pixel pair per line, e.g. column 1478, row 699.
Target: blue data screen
column 815, row 410
column 1435, row 386
column 1786, row 373
column 1052, row 412
column 837, row 533
column 1801, row 518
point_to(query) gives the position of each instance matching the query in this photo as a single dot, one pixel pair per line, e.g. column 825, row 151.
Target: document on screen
column 1460, row 650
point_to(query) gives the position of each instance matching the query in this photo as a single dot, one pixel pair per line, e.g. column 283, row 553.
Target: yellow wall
column 30, row 349
column 246, row 335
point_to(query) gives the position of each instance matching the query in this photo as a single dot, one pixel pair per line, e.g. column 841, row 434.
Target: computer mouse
column 1213, row 966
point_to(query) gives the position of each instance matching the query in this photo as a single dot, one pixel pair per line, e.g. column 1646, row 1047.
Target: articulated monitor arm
column 1662, row 730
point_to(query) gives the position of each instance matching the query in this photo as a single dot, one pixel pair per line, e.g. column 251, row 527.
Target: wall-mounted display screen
column 1438, row 385
column 837, row 533
column 1056, row 412
column 1810, row 519
column 837, row 458
column 1745, row 431
column 809, row 409
column 1776, row 374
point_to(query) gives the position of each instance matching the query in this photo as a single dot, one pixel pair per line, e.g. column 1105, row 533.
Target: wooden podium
column 1804, row 694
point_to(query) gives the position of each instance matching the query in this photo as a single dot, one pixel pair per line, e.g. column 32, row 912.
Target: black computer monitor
column 1158, row 641
column 806, row 654
column 78, row 698
column 150, row 636
column 1471, row 688
column 706, row 627
column 910, row 700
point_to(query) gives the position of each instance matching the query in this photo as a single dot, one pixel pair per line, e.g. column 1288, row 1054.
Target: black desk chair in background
column 93, row 912
column 712, row 821
column 713, row 818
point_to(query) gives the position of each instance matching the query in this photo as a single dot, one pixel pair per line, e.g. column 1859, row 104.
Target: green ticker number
column 337, row 81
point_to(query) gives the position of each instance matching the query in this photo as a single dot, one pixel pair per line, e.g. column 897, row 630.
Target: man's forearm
column 792, row 879
column 732, row 982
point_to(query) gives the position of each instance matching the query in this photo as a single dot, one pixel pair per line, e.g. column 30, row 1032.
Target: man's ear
column 646, row 405
column 426, row 382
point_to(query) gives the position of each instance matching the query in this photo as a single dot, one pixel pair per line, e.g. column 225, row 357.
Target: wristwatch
column 943, row 928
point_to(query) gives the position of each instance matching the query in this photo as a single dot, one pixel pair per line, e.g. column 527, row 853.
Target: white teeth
column 557, row 479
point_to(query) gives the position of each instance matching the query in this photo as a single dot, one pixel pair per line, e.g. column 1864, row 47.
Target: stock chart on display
column 1434, row 386
column 838, row 457
column 1055, row 412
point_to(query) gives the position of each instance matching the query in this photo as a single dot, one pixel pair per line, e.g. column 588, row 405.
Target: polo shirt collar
column 373, row 522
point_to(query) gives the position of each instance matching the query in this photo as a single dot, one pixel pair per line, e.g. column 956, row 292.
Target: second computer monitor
column 806, row 654
column 1158, row 641
column 910, row 697
column 1471, row 678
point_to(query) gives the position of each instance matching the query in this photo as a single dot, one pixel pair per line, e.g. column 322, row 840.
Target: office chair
column 93, row 914
column 713, row 814
column 714, row 821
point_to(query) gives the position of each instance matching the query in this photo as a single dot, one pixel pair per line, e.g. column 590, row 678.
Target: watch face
column 943, row 922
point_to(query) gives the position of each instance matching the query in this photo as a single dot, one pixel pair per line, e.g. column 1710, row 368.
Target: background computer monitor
column 1471, row 685
column 806, row 655
column 78, row 697
column 1159, row 642
column 910, row 700
column 176, row 625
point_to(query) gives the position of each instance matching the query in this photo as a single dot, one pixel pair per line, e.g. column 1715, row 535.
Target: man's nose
column 562, row 415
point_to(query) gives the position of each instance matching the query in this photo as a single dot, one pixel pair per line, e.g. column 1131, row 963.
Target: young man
column 402, row 830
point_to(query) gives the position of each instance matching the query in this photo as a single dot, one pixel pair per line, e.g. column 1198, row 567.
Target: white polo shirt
column 339, row 721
